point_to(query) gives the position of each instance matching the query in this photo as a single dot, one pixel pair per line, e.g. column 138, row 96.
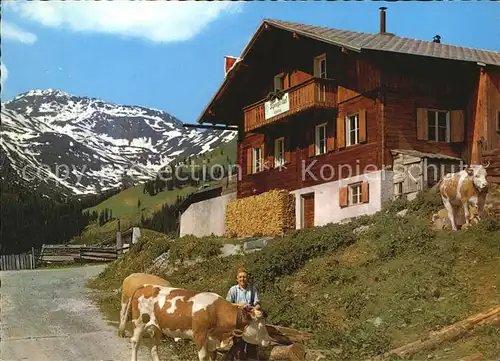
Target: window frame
column 317, row 66
column 256, row 164
column 348, row 129
column 350, row 193
column 317, row 138
column 398, row 189
column 281, row 79
column 279, row 146
column 435, row 135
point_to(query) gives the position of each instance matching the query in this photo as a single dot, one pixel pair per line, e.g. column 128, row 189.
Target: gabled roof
column 388, row 42
column 358, row 41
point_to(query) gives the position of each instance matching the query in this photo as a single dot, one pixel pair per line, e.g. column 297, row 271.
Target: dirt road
column 47, row 315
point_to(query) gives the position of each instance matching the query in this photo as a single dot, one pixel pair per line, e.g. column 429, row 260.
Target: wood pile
column 493, row 157
column 266, row 214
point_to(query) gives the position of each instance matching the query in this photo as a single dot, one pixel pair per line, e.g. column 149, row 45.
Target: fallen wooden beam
column 475, row 357
column 449, row 333
column 288, row 336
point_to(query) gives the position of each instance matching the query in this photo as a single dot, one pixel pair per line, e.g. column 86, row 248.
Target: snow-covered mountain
column 81, row 145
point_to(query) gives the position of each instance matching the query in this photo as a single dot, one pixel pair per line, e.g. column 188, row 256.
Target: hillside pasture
column 362, row 288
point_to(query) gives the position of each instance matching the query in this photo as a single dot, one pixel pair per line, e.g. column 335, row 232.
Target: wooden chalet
column 324, row 113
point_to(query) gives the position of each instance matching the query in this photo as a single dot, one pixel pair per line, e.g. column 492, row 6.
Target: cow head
column 477, row 174
column 255, row 331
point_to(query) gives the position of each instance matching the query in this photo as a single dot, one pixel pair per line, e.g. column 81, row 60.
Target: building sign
column 277, row 106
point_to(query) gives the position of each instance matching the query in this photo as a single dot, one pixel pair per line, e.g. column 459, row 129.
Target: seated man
column 242, row 294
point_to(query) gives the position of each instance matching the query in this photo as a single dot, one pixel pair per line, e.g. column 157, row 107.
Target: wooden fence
column 61, row 254
column 15, row 262
column 80, row 253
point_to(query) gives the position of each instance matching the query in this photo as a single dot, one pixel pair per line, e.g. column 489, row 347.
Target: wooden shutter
column 288, row 150
column 422, row 124
column 457, row 125
column 249, row 160
column 312, row 142
column 341, row 132
column 362, row 125
column 330, row 140
column 343, row 194
column 364, row 192
column 286, row 81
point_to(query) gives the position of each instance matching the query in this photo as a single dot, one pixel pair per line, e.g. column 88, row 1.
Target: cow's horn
column 487, row 164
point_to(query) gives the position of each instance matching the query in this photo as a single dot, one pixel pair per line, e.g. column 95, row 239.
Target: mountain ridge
column 95, row 142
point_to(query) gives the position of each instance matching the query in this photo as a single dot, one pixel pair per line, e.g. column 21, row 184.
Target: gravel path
column 47, row 315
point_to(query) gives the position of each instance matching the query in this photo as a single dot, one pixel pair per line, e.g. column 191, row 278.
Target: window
column 355, row 193
column 320, row 140
column 352, row 129
column 320, row 66
column 439, row 125
column 398, row 189
column 279, row 152
column 279, row 82
column 257, row 160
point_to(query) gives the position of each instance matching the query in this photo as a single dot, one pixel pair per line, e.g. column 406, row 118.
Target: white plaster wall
column 326, row 198
column 206, row 217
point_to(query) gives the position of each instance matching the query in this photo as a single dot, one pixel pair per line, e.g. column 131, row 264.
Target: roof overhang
column 231, row 74
column 199, row 195
column 419, row 154
column 265, row 25
column 336, row 42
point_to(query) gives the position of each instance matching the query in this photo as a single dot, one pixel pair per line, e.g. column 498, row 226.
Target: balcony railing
column 312, row 93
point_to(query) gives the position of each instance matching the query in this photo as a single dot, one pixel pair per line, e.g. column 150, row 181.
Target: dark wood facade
column 397, row 98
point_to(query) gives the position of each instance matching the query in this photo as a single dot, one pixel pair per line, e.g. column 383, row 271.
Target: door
column 308, row 210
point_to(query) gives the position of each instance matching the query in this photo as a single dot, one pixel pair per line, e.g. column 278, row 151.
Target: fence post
column 32, row 257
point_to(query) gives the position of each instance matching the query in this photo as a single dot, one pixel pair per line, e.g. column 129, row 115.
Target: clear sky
column 169, row 55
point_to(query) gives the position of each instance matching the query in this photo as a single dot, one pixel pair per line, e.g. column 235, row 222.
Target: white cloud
column 4, row 74
column 158, row 21
column 12, row 32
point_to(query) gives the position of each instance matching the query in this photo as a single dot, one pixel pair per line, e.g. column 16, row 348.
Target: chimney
column 382, row 19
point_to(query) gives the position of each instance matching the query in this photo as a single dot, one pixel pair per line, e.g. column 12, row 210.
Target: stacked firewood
column 266, row 214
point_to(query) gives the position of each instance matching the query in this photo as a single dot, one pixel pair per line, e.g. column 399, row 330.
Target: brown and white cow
column 130, row 284
column 464, row 188
column 204, row 317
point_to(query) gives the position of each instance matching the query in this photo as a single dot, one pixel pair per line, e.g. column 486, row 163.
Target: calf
column 130, row 284
column 466, row 187
column 204, row 317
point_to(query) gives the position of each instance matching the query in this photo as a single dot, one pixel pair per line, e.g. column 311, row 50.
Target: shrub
column 139, row 257
column 191, row 248
column 290, row 253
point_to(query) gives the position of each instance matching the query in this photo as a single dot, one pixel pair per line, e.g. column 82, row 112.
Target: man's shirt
column 236, row 294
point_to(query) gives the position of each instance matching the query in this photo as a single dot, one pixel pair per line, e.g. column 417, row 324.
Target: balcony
column 317, row 93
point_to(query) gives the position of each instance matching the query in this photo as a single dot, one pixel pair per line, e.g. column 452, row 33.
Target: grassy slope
column 336, row 284
column 124, row 204
column 129, row 215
